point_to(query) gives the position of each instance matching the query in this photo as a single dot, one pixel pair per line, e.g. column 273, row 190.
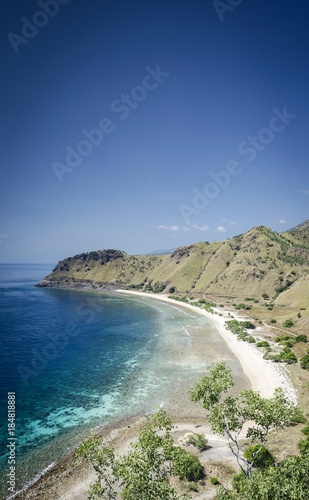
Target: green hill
column 256, row 262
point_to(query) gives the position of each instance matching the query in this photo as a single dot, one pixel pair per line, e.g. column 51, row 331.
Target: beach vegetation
column 242, row 336
column 250, row 339
column 301, row 338
column 228, row 415
column 214, row 481
column 285, row 481
column 263, row 459
column 247, row 324
column 145, row 471
column 303, row 445
column 185, row 464
column 192, row 487
column 262, row 343
column 305, row 431
column 304, row 362
column 288, row 356
column 298, row 418
column 288, row 323
column 198, row 440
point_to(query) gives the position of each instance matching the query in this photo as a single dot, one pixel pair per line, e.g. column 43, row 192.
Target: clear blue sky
column 227, row 90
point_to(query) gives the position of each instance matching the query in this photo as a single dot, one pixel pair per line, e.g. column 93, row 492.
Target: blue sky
column 181, row 91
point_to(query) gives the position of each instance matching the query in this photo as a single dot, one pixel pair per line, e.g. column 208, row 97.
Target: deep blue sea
column 77, row 360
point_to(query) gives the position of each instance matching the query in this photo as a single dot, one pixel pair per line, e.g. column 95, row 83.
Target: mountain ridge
column 250, row 264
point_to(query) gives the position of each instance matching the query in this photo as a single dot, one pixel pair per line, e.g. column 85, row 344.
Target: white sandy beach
column 264, row 375
column 65, row 482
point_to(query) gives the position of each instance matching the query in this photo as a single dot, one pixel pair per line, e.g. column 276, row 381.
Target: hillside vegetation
column 261, row 264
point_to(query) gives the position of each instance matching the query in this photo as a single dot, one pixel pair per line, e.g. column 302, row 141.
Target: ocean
column 79, row 359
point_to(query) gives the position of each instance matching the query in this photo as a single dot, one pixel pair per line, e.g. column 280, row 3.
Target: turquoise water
column 77, row 360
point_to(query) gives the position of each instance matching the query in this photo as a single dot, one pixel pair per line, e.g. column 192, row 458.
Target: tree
column 227, row 417
column 304, row 362
column 144, row 472
column 288, row 323
column 263, row 459
column 288, row 356
column 288, row 480
column 301, row 338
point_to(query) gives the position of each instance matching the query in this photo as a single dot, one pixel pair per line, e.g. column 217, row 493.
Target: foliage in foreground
column 144, row 472
column 263, row 459
column 286, row 481
column 227, row 417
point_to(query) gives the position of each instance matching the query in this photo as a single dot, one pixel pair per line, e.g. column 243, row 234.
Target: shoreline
column 66, row 482
column 264, row 375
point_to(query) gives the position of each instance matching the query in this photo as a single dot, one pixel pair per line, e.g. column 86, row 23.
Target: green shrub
column 172, row 289
column 263, row 343
column 198, row 440
column 288, row 323
column 288, row 343
column 192, row 487
column 273, row 321
column 303, row 445
column 288, row 356
column 281, row 338
column 265, row 296
column 242, row 336
column 304, row 362
column 202, row 301
column 306, row 431
column 301, row 338
column 298, row 418
column 214, row 480
column 237, row 479
column 263, row 459
column 247, row 324
column 287, row 481
column 186, row 465
column 250, row 339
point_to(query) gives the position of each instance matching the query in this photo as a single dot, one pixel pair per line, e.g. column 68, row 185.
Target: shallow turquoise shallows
column 77, row 360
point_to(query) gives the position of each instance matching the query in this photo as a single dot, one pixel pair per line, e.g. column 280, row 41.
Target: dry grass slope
column 248, row 265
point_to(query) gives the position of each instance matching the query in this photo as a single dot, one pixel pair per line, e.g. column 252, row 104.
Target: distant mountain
column 301, row 227
column 162, row 252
